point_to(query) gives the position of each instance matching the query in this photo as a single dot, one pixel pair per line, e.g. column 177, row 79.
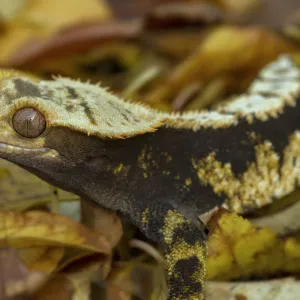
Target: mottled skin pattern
column 162, row 181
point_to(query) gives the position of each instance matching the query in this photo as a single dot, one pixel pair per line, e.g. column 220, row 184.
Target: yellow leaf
column 43, row 259
column 247, row 50
column 41, row 18
column 36, row 228
column 238, row 249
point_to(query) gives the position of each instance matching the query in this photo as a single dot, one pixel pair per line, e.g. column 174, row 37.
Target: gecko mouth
column 10, row 149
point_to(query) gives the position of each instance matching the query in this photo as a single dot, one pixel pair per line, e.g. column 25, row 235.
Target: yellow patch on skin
column 145, row 217
column 141, row 159
column 264, row 179
column 119, row 168
column 168, row 156
column 181, row 250
column 254, row 137
column 188, row 181
column 146, row 163
column 143, row 163
column 172, row 221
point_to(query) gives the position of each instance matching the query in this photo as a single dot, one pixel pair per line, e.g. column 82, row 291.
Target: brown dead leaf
column 269, row 13
column 70, row 41
column 70, row 285
column 239, row 8
column 140, row 279
column 179, row 14
column 131, row 8
column 21, row 190
column 58, row 288
column 103, row 221
column 42, row 18
column 15, row 278
column 36, row 228
column 115, row 293
column 45, row 259
column 163, row 11
column 292, row 25
column 56, row 14
column 247, row 50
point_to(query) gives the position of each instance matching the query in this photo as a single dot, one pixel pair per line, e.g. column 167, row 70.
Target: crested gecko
column 159, row 170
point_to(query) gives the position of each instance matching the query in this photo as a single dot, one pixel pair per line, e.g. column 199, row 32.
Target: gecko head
column 52, row 126
column 27, row 140
column 22, row 125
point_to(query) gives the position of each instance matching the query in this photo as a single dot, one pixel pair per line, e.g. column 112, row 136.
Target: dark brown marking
column 72, row 92
column 132, row 115
column 263, row 94
column 88, row 112
column 114, row 106
column 128, row 111
column 70, row 107
column 125, row 117
column 47, row 94
column 26, row 88
column 108, row 123
column 276, row 79
column 8, row 95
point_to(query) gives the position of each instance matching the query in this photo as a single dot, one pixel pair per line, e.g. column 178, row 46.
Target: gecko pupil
column 29, row 122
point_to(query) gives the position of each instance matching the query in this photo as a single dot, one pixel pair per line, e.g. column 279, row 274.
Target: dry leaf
column 280, row 289
column 44, row 259
column 15, row 278
column 36, row 228
column 73, row 40
column 103, row 221
column 70, row 285
column 283, row 222
column 247, row 50
column 236, row 249
column 41, row 18
column 140, row 279
column 21, row 190
column 9, row 9
column 43, row 238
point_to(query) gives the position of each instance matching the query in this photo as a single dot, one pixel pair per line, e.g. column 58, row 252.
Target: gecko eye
column 29, row 122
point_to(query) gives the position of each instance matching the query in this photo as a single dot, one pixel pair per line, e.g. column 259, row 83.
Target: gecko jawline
column 7, row 149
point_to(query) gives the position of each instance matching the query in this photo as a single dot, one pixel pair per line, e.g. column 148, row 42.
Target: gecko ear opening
column 29, row 122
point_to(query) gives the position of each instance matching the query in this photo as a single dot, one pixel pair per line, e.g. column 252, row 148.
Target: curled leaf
column 236, row 249
column 37, row 228
column 15, row 278
column 247, row 50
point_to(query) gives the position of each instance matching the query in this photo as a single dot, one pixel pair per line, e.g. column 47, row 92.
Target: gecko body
column 159, row 170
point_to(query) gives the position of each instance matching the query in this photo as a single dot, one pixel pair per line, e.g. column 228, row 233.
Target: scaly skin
column 158, row 170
